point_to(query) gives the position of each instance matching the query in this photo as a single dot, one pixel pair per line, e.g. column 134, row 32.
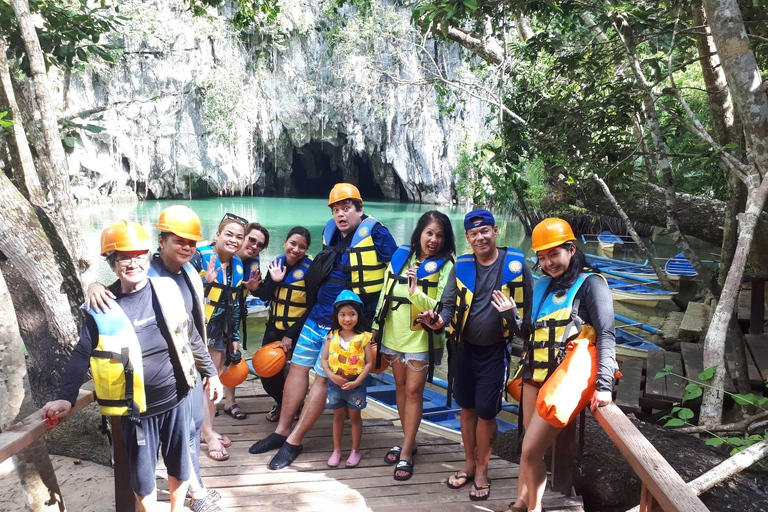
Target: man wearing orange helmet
column 180, row 231
column 356, row 251
column 138, row 349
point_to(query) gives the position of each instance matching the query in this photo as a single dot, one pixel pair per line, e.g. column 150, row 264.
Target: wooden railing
column 662, row 489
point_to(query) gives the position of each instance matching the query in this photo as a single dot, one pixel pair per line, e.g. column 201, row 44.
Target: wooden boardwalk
column 309, row 484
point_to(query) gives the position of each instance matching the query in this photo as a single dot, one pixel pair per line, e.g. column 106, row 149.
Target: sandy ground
column 80, row 486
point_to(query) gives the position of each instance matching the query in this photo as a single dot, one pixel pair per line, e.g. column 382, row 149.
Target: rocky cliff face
column 316, row 96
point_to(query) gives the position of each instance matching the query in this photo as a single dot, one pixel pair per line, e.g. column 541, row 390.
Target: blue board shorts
column 167, row 432
column 351, row 398
column 309, row 348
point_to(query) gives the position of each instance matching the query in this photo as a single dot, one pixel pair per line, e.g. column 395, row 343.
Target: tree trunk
column 55, row 182
column 25, row 177
column 640, row 242
column 33, row 465
column 742, row 75
column 727, row 131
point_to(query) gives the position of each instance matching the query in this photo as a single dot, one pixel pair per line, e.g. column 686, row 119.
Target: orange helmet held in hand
column 342, row 191
column 124, row 235
column 384, row 362
column 181, row 221
column 269, row 360
column 235, row 374
column 550, row 233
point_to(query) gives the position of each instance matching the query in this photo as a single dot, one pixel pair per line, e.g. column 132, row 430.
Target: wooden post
column 563, row 451
column 757, row 307
column 125, row 500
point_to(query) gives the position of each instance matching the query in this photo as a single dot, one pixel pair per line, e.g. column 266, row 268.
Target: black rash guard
column 164, row 385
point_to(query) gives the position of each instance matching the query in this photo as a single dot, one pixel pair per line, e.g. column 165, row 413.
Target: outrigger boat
column 257, row 308
column 607, row 241
column 638, row 294
column 633, row 271
column 680, row 269
column 630, row 345
column 436, row 418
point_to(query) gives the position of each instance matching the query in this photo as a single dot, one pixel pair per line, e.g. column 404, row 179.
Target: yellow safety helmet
column 124, row 235
column 550, row 233
column 181, row 221
column 342, row 191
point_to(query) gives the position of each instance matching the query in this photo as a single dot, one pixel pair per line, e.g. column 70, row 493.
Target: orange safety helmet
column 235, row 374
column 342, row 191
column 550, row 233
column 384, row 362
column 124, row 235
column 181, row 221
column 269, row 360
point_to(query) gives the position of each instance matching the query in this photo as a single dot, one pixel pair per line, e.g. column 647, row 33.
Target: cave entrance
column 318, row 166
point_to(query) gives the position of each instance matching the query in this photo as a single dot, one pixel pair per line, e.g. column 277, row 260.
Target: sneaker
column 205, row 505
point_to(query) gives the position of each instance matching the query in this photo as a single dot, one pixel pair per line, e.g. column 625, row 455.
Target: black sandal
column 274, row 415
column 395, row 452
column 403, row 466
column 236, row 412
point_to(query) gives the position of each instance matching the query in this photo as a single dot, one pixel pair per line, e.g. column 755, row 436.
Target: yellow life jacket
column 555, row 323
column 219, row 294
column 116, row 363
column 427, row 278
column 349, row 362
column 360, row 261
column 511, row 285
column 289, row 302
column 192, row 278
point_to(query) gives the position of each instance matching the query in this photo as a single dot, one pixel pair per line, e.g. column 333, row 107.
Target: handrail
column 25, row 432
column 662, row 486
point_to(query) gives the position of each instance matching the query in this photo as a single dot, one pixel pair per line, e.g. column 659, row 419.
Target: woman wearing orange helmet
column 574, row 304
column 139, row 352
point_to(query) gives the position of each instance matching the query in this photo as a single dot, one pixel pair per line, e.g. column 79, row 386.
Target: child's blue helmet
column 346, row 297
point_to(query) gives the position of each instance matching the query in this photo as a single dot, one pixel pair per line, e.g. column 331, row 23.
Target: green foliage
column 70, row 131
column 70, row 32
column 248, row 14
column 680, row 416
column 221, row 90
column 5, row 122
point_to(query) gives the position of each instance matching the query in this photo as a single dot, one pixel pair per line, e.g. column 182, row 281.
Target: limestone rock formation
column 194, row 108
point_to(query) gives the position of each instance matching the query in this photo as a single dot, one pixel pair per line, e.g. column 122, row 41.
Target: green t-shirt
column 397, row 334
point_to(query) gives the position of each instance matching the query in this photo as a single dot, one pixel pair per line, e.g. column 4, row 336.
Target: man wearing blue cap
column 478, row 336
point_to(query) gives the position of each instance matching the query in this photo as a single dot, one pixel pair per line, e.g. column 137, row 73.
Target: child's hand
column 349, row 385
column 336, row 379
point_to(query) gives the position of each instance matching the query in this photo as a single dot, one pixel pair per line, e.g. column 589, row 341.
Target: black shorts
column 167, row 432
column 481, row 372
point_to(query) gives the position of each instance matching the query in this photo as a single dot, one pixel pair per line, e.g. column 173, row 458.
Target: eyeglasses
column 126, row 260
column 255, row 241
column 234, row 217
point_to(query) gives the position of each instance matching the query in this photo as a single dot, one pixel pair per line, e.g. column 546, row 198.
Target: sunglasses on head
column 234, row 217
column 255, row 241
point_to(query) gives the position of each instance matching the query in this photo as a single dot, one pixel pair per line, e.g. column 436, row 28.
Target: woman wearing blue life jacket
column 414, row 284
column 139, row 351
column 256, row 240
column 286, row 291
column 221, row 270
column 574, row 305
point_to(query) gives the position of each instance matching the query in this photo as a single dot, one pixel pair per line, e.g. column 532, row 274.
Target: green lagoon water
column 279, row 215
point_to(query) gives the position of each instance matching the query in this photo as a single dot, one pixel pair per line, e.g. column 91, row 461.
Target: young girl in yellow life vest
column 347, row 361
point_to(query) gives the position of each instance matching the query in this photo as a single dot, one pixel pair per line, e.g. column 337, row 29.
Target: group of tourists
column 157, row 340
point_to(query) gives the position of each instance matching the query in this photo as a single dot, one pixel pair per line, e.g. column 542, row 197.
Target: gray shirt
column 484, row 323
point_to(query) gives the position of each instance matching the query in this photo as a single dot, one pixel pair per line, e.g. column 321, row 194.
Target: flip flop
column 456, row 476
column 403, row 466
column 224, row 455
column 236, row 412
column 513, row 508
column 224, row 440
column 475, row 497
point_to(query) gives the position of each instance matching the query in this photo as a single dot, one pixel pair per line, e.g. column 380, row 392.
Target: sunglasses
column 255, row 241
column 232, row 216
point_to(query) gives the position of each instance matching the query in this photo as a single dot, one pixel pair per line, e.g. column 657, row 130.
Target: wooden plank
column 654, row 388
column 666, row 486
column 674, row 386
column 758, row 347
column 563, row 451
column 22, row 434
column 693, row 359
column 629, row 386
column 757, row 307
